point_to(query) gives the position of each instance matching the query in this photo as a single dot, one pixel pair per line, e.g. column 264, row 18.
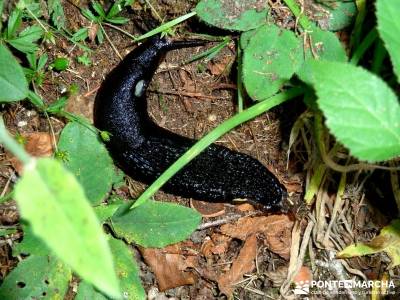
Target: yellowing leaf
column 388, row 240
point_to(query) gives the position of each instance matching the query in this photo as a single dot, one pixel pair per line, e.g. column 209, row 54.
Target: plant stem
column 364, row 46
column 303, row 20
column 239, row 81
column 120, row 30
column 165, row 26
column 215, row 134
column 379, row 55
column 8, row 142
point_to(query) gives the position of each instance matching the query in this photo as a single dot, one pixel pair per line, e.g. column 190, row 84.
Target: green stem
column 215, row 134
column 379, row 55
column 165, row 26
column 12, row 145
column 239, row 82
column 303, row 20
column 364, row 46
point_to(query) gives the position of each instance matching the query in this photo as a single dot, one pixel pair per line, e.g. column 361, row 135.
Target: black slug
column 143, row 150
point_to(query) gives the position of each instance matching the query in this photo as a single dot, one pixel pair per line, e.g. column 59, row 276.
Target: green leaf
column 37, row 277
column 388, row 240
column 104, row 212
column 86, row 291
column 57, row 13
column 14, row 22
column 60, row 64
column 336, row 15
column 58, row 105
column 361, row 111
column 117, row 20
column 99, row 9
column 115, row 9
column 269, row 61
column 53, row 202
column 389, row 28
column 156, row 224
column 89, row 15
column 25, row 42
column 88, row 159
column 80, row 35
column 233, row 15
column 128, row 274
column 13, row 84
column 127, row 270
column 30, row 245
column 325, row 46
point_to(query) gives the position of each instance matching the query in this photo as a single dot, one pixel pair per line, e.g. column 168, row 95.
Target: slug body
column 144, row 150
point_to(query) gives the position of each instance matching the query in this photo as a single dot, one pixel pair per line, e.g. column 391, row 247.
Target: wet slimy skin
column 143, row 150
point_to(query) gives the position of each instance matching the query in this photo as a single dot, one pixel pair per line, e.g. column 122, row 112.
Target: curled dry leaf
column 245, row 207
column 38, row 144
column 170, row 265
column 243, row 264
column 208, row 209
column 276, row 229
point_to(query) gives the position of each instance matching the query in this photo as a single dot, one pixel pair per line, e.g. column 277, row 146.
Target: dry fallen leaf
column 243, row 264
column 217, row 68
column 170, row 265
column 37, row 144
column 276, row 229
column 208, row 209
column 218, row 244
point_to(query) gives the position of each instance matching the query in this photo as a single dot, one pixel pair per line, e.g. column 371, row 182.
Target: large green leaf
column 361, row 111
column 156, row 224
column 53, row 202
column 270, row 58
column 88, row 159
column 13, row 85
column 37, row 277
column 233, row 15
column 387, row 12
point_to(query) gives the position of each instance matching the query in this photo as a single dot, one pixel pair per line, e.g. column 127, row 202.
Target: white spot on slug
column 139, row 88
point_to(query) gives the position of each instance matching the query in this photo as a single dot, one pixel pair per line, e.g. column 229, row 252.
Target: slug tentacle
column 144, row 150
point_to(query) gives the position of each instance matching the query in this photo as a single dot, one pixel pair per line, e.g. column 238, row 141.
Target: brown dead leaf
column 208, row 209
column 217, row 68
column 37, row 144
column 170, row 265
column 218, row 244
column 245, row 207
column 92, row 31
column 188, row 83
column 243, row 264
column 276, row 229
